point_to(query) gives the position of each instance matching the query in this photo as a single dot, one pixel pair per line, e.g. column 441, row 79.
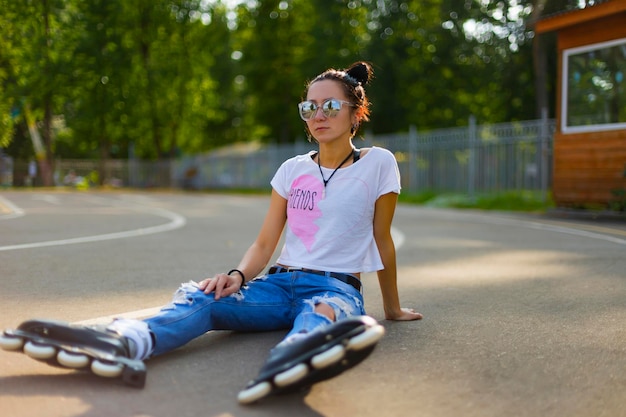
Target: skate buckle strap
column 347, row 278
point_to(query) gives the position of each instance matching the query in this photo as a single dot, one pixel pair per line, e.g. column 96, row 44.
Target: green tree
column 143, row 78
column 442, row 61
column 97, row 109
column 214, row 105
column 7, row 100
column 285, row 43
column 272, row 36
column 403, row 49
column 163, row 77
column 33, row 70
column 177, row 97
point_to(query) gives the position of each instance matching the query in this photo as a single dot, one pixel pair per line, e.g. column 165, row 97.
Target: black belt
column 347, row 278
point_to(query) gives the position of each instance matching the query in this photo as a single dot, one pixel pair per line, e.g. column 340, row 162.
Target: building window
column 594, row 88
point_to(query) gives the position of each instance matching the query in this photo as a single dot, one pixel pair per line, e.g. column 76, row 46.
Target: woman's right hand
column 222, row 284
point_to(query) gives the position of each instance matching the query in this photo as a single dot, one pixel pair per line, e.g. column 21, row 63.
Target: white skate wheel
column 37, row 351
column 254, row 393
column 72, row 360
column 367, row 338
column 329, row 357
column 291, row 375
column 107, row 369
column 11, row 342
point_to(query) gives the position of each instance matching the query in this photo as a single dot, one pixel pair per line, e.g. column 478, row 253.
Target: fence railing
column 472, row 159
column 487, row 158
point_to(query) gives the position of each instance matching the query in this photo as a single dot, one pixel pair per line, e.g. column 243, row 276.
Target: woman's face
column 326, row 129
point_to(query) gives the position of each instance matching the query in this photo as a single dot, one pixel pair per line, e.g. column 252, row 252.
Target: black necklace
column 319, row 166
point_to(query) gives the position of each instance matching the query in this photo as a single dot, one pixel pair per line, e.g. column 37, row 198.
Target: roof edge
column 575, row 17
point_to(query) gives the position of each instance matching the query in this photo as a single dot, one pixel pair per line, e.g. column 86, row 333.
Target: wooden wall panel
column 588, row 167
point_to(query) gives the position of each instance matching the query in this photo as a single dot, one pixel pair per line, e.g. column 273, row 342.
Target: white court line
column 14, row 211
column 176, row 221
column 398, row 237
column 552, row 228
column 138, row 314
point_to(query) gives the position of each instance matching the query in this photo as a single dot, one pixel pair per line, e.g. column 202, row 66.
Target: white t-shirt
column 331, row 229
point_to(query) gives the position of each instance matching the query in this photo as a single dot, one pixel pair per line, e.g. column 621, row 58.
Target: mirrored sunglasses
column 330, row 108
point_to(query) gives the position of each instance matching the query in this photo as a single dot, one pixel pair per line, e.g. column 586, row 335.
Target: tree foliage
column 157, row 78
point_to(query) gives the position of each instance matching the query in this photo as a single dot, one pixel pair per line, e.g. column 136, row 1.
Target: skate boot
column 103, row 350
column 320, row 355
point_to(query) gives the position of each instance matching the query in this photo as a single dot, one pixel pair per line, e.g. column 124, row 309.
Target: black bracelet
column 243, row 277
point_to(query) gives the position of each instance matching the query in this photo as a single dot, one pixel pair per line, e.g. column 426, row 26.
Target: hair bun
column 361, row 72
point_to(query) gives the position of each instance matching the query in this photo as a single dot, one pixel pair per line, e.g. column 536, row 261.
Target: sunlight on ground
column 81, row 306
column 492, row 268
column 49, row 406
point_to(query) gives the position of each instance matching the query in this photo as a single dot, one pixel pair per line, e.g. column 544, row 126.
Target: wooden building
column 590, row 141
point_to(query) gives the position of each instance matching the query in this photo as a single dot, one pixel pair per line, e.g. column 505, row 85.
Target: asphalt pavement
column 524, row 314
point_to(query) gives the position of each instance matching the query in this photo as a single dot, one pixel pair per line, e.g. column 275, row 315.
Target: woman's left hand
column 404, row 314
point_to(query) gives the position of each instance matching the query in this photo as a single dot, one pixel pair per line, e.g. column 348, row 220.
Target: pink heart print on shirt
column 302, row 208
column 306, row 207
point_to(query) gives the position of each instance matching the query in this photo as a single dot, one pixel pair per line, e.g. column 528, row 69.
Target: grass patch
column 527, row 201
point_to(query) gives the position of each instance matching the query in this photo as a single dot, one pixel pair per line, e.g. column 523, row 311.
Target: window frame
column 565, row 128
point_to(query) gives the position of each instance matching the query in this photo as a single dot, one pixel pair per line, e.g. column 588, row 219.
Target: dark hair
column 353, row 79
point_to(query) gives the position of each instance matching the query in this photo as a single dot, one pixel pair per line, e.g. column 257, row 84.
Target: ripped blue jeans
column 270, row 302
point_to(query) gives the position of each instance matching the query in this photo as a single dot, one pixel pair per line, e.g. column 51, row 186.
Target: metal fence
column 488, row 158
column 473, row 159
